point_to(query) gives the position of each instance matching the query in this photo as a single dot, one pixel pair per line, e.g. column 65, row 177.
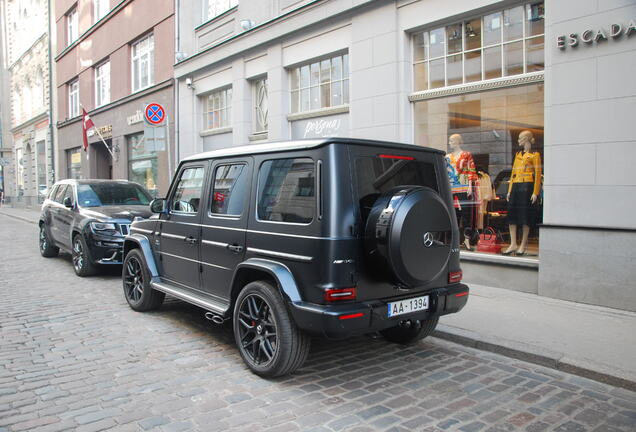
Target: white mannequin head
column 526, row 140
column 455, row 142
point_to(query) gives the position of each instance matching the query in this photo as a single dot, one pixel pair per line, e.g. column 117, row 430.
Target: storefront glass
column 491, row 137
column 74, row 163
column 147, row 159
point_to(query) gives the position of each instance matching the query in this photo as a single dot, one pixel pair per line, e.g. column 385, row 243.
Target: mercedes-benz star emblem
column 428, row 239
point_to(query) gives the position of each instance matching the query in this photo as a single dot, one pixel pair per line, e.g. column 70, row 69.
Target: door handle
column 235, row 248
column 190, row 240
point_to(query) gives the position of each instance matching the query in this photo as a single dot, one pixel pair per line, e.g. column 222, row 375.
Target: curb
column 19, row 218
column 553, row 361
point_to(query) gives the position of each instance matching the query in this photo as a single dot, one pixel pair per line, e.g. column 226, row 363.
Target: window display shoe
column 520, row 252
column 508, row 251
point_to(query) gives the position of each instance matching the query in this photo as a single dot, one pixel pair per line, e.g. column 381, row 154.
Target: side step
column 190, row 297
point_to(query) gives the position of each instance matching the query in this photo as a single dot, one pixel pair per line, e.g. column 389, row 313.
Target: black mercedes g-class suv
column 332, row 237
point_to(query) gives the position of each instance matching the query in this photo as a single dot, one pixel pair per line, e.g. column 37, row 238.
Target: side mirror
column 158, row 205
column 68, row 202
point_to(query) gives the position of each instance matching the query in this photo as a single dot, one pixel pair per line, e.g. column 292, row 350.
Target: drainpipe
column 177, row 46
column 51, row 127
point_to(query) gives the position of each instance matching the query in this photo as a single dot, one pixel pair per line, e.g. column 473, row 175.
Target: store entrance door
column 103, row 161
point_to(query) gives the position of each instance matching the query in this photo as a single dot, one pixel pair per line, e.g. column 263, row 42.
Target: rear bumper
column 344, row 320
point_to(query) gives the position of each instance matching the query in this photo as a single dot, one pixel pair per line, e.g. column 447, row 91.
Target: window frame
column 205, row 9
column 176, row 186
column 72, row 25
column 345, row 79
column 216, row 166
column 100, row 78
column 227, row 94
column 316, row 199
column 150, row 52
column 73, row 98
column 261, row 82
column 102, row 6
column 525, row 39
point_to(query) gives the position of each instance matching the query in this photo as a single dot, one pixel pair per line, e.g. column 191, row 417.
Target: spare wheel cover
column 419, row 237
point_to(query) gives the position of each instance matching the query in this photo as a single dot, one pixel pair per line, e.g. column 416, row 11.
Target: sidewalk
column 591, row 341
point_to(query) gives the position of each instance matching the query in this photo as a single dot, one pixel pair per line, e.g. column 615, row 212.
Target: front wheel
column 269, row 341
column 412, row 333
column 136, row 280
column 81, row 259
column 47, row 249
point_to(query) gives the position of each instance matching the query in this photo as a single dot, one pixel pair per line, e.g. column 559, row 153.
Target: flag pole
column 103, row 141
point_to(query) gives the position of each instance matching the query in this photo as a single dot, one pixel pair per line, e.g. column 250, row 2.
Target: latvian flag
column 87, row 123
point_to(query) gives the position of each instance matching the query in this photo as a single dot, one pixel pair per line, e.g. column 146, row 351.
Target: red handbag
column 489, row 241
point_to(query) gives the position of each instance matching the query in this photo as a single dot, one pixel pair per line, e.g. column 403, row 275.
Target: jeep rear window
column 376, row 175
column 286, row 191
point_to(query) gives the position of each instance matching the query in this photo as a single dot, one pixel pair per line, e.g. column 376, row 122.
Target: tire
column 47, row 249
column 82, row 263
column 407, row 335
column 136, row 283
column 268, row 340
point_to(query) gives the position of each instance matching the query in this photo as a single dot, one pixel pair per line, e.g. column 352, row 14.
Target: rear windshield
column 103, row 194
column 376, row 175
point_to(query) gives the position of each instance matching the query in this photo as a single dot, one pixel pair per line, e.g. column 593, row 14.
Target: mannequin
column 462, row 175
column 523, row 190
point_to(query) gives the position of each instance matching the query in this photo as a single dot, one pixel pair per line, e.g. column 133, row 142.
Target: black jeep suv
column 89, row 219
column 332, row 237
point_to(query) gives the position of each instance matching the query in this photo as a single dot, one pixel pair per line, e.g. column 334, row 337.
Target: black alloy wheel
column 133, row 280
column 257, row 330
column 136, row 283
column 81, row 260
column 268, row 339
column 46, row 248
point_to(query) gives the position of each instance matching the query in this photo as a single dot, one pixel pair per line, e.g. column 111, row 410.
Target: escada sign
column 589, row 37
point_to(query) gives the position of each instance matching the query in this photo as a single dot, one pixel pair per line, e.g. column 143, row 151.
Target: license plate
column 407, row 306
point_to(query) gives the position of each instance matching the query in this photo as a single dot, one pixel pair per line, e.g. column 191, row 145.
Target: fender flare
column 280, row 272
column 142, row 243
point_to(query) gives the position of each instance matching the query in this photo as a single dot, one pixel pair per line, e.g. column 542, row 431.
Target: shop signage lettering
column 592, row 36
column 135, row 118
column 322, row 127
column 106, row 131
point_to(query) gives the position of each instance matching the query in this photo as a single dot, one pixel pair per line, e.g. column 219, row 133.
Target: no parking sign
column 154, row 114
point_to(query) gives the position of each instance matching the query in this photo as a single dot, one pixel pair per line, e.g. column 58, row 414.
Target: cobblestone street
column 74, row 356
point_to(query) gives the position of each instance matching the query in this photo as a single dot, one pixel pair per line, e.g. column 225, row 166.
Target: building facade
column 114, row 58
column 26, row 60
column 531, row 101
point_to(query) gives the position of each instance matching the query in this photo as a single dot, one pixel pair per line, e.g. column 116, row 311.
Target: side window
column 286, row 191
column 230, row 187
column 187, row 195
column 52, row 191
column 59, row 194
column 69, row 194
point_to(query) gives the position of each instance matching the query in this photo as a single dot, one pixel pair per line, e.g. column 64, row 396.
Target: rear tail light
column 462, row 294
column 386, row 156
column 355, row 315
column 454, row 277
column 339, row 294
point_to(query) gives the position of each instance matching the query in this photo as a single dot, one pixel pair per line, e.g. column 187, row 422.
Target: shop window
column 143, row 162
column 503, row 43
column 218, row 109
column 286, row 191
column 73, row 163
column 143, row 53
column 321, row 84
column 494, row 146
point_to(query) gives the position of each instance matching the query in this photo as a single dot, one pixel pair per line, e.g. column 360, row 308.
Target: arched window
column 17, row 103
column 27, row 99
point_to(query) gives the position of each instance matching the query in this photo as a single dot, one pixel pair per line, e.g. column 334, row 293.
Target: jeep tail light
column 386, row 156
column 454, row 277
column 340, row 294
column 355, row 315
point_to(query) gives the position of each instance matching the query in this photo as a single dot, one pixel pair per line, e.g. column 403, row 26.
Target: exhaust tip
column 216, row 319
